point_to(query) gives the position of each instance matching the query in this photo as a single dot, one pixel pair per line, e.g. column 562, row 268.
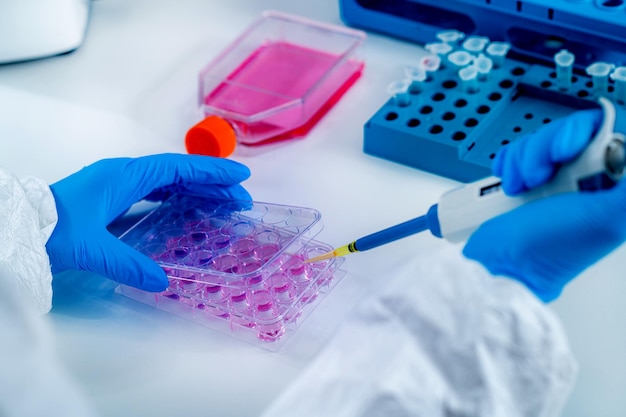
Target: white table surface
column 130, row 90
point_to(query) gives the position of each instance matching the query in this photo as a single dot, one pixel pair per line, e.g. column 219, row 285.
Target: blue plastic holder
column 450, row 132
column 454, row 127
column 594, row 30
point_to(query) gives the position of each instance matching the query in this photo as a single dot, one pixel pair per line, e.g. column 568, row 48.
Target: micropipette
column 460, row 211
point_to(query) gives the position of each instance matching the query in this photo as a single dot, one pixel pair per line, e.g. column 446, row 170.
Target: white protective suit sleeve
column 32, row 380
column 27, row 218
column 446, row 340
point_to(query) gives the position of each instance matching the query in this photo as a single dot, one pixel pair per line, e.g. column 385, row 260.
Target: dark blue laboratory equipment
column 495, row 70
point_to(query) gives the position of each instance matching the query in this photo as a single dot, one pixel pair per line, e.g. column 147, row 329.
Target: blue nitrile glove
column 89, row 200
column 546, row 243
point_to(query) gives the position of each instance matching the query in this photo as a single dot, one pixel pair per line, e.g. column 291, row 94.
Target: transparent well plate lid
column 213, row 240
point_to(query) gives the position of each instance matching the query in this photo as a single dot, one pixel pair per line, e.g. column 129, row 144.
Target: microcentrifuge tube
column 441, row 49
column 475, row 44
column 497, row 51
column 599, row 73
column 564, row 61
column 450, row 36
column 430, row 63
column 469, row 78
column 460, row 59
column 399, row 90
column 417, row 75
column 619, row 77
column 483, row 66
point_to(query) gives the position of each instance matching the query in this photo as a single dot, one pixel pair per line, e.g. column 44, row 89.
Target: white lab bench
column 130, row 90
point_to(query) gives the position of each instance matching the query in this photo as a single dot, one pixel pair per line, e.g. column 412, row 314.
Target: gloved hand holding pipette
column 550, row 232
column 547, row 243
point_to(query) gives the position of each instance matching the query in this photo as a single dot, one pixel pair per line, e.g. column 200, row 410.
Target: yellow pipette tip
column 342, row 251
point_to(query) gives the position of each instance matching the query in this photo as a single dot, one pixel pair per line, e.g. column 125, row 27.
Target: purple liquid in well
column 243, row 247
column 270, row 333
column 266, row 251
column 197, row 238
column 239, row 298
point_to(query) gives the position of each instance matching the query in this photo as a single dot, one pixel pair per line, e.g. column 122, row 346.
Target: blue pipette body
column 429, row 221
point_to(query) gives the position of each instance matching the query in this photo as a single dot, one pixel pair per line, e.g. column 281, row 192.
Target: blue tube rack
column 448, row 131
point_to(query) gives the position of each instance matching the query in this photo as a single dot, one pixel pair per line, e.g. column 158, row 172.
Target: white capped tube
column 441, row 49
column 450, row 36
column 460, row 59
column 475, row 44
column 564, row 61
column 599, row 73
column 399, row 90
column 619, row 78
column 469, row 79
column 430, row 63
column 417, row 75
column 497, row 51
column 483, row 65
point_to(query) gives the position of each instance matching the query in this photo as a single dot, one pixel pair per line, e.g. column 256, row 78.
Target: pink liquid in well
column 290, row 82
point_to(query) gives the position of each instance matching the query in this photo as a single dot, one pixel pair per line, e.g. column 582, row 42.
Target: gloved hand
column 546, row 243
column 89, row 200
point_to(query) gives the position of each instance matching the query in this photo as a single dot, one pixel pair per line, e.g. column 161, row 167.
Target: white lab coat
column 446, row 339
column 33, row 382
